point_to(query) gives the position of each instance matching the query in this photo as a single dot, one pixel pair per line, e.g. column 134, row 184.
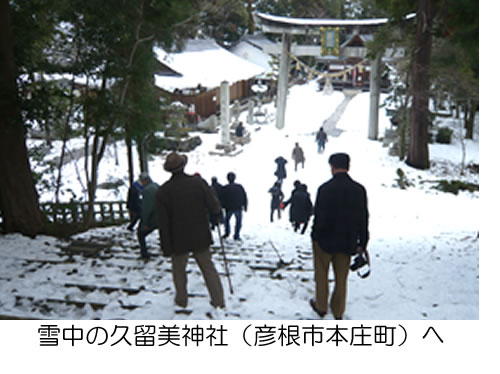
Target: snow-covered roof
column 204, row 62
column 258, row 40
column 93, row 81
column 364, row 38
column 251, row 51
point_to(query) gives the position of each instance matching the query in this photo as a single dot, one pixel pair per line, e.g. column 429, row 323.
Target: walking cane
column 225, row 260
column 281, row 262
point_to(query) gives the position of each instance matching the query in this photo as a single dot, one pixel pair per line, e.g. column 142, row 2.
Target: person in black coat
column 234, row 200
column 301, row 207
column 340, row 229
column 280, row 171
column 276, row 199
column 218, row 188
column 321, row 139
column 240, row 130
column 134, row 203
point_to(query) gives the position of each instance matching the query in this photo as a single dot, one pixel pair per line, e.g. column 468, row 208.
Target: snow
column 204, row 62
column 249, row 52
column 290, row 21
column 424, row 243
column 320, row 21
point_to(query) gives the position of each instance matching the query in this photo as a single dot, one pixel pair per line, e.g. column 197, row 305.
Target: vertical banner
column 329, row 41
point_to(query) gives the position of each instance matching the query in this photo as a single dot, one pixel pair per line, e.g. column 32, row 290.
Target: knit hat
column 175, row 162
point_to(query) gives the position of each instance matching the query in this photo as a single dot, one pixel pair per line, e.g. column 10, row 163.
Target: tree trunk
column 65, row 140
column 251, row 23
column 143, row 155
column 418, row 152
column 470, row 119
column 18, row 197
column 130, row 159
column 124, row 90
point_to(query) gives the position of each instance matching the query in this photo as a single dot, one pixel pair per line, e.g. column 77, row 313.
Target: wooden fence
column 207, row 103
column 105, row 212
column 69, row 218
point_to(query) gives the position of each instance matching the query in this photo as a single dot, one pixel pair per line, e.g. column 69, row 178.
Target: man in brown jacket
column 184, row 204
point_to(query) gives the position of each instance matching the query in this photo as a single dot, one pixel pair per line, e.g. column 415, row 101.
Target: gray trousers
column 210, row 275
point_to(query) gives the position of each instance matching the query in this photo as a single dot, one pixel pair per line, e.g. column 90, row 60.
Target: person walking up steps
column 235, row 201
column 280, row 170
column 321, row 139
column 134, row 199
column 149, row 216
column 214, row 220
column 185, row 203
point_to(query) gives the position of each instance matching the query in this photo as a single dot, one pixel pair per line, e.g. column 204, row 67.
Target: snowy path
column 330, row 124
column 424, row 250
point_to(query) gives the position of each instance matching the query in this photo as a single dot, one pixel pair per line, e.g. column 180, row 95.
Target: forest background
column 108, row 93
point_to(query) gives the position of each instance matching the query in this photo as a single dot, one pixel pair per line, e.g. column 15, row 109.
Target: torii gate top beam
column 289, row 25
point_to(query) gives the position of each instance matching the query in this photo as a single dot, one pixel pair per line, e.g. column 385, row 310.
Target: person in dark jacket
column 301, row 207
column 149, row 217
column 321, row 139
column 240, row 130
column 280, row 170
column 277, row 197
column 340, row 229
column 296, row 186
column 134, row 197
column 184, row 205
column 218, row 188
column 235, row 201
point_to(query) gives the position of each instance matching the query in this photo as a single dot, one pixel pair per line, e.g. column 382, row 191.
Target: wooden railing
column 68, row 218
column 105, row 212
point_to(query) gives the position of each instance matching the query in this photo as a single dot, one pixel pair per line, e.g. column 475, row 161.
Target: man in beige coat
column 184, row 205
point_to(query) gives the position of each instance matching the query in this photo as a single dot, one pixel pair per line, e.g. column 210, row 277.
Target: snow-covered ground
column 424, row 243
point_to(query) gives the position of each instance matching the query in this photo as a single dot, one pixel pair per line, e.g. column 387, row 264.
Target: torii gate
column 299, row 26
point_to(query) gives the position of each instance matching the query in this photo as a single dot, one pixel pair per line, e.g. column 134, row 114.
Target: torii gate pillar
column 283, row 80
column 374, row 97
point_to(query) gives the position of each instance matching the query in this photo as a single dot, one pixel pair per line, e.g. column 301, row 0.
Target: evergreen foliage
column 444, row 135
column 86, row 67
column 453, row 66
column 455, row 186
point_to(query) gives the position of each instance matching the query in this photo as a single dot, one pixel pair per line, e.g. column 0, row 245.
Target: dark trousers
column 141, row 237
column 215, row 219
column 296, row 226
column 134, row 218
column 272, row 213
column 321, row 147
column 299, row 162
column 238, row 215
